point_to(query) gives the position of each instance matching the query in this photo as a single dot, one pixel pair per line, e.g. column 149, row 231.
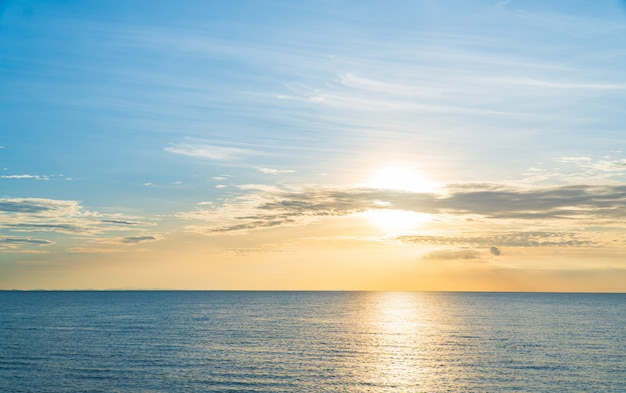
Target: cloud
column 529, row 82
column 266, row 207
column 272, row 171
column 16, row 242
column 25, row 176
column 268, row 248
column 494, row 250
column 46, row 215
column 506, row 239
column 39, row 206
column 123, row 222
column 269, row 206
column 93, row 250
column 588, row 164
column 64, row 217
column 577, row 160
column 140, row 239
column 567, row 206
column 502, row 3
column 573, row 202
column 263, row 222
column 208, row 151
column 452, row 255
column 575, row 170
column 61, row 228
column 372, row 95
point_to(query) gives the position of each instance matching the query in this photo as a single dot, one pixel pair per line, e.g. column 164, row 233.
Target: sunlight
column 400, row 178
column 397, row 327
column 395, row 221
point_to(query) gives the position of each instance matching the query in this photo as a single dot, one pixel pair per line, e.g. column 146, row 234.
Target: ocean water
column 160, row 341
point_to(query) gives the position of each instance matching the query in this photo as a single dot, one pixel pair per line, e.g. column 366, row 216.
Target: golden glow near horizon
column 396, row 222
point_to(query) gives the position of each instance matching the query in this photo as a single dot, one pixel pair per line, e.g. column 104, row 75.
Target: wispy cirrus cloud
column 550, row 84
column 209, row 151
column 352, row 92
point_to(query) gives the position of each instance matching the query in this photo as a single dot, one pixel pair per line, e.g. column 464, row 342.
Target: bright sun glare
column 401, row 179
column 395, row 221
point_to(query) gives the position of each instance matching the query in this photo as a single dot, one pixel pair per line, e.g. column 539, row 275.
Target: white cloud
column 272, row 171
column 577, row 170
column 25, row 176
column 576, row 160
column 208, row 151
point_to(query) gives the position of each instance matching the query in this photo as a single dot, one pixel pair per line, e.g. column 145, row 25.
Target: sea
column 248, row 341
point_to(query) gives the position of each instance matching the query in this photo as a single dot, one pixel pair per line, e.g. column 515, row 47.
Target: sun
column 400, row 178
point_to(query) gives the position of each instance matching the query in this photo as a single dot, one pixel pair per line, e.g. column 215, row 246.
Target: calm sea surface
column 159, row 341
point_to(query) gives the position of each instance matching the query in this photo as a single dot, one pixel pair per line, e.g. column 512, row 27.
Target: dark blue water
column 311, row 342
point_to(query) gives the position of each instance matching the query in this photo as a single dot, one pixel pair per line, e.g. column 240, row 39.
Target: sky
column 419, row 145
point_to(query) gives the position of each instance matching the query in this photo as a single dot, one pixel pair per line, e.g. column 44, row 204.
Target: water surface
column 160, row 341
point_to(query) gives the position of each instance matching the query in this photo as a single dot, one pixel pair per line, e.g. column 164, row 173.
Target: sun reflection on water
column 396, row 326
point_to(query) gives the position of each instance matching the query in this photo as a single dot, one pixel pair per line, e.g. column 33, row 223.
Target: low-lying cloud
column 15, row 242
column 452, row 255
column 61, row 218
column 139, row 239
column 271, row 207
column 508, row 239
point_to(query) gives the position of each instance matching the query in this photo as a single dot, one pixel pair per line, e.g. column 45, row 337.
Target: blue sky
column 243, row 136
